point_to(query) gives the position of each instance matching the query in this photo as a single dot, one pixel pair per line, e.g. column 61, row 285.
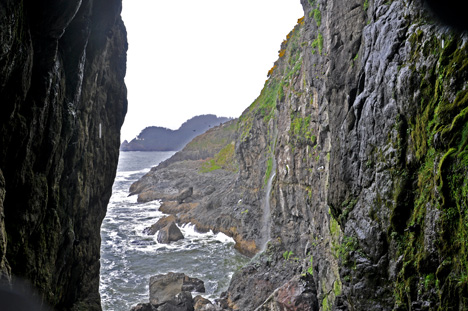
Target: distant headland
column 156, row 138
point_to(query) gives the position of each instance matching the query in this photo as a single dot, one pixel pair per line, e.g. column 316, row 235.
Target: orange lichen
column 300, row 21
column 270, row 72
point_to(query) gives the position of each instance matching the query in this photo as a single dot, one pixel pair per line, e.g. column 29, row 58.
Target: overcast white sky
column 189, row 57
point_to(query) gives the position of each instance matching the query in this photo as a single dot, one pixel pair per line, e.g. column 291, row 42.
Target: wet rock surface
column 172, row 292
column 298, row 294
column 364, row 116
column 164, row 287
column 202, row 304
column 63, row 101
column 161, row 223
column 169, row 233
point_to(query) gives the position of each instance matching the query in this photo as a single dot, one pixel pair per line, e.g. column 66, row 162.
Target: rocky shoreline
column 191, row 191
column 208, row 198
column 173, row 292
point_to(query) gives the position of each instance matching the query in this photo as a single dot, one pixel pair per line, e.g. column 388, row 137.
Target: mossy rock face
column 435, row 242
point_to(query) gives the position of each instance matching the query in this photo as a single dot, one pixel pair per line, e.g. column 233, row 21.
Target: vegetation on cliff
column 433, row 187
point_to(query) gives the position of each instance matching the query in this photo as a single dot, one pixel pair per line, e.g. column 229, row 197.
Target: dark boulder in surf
column 169, row 233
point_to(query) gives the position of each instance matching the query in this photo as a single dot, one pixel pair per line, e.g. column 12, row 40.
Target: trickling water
column 266, row 219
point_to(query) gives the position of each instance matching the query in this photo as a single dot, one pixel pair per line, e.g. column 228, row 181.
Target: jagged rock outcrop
column 161, row 223
column 63, row 101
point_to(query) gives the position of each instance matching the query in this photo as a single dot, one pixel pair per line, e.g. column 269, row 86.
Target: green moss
column 438, row 179
column 224, row 159
column 317, row 43
column 287, row 255
column 301, row 129
column 337, row 287
column 317, row 16
column 356, row 57
column 334, row 227
column 268, row 171
column 310, row 269
column 346, row 207
column 213, row 139
column 325, row 304
column 429, row 281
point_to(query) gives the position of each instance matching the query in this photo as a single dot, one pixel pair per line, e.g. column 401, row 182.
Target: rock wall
column 365, row 115
column 63, row 101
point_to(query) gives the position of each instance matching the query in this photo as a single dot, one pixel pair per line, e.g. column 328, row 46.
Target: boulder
column 193, row 285
column 298, row 294
column 161, row 223
column 202, row 304
column 181, row 302
column 144, row 307
column 164, row 287
column 185, row 194
column 170, row 233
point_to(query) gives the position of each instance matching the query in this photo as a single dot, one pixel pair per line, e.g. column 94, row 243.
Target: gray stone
column 181, row 302
column 185, row 194
column 164, row 287
column 144, row 307
column 161, row 223
column 170, row 233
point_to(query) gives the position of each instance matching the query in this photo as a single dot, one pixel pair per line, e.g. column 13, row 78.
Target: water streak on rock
column 266, row 219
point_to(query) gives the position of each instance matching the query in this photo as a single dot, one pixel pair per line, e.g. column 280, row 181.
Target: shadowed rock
column 185, row 194
column 161, row 223
column 144, row 307
column 183, row 301
column 298, row 294
column 170, row 233
column 164, row 287
column 63, row 101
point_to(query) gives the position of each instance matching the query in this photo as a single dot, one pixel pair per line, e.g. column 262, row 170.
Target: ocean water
column 129, row 258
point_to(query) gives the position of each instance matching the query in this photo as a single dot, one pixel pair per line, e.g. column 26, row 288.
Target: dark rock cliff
column 63, row 101
column 365, row 115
